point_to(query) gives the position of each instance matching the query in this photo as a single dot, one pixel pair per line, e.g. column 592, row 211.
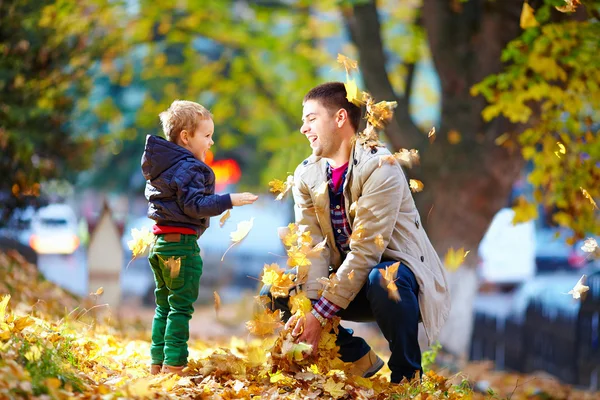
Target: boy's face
column 320, row 128
column 202, row 139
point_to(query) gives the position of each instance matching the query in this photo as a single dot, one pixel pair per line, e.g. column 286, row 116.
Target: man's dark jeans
column 398, row 321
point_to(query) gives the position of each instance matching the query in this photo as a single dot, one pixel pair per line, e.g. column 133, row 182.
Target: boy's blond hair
column 182, row 115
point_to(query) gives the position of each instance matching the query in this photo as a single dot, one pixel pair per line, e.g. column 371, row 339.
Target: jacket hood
column 160, row 155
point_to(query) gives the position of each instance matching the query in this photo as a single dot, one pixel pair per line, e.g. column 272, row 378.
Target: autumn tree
column 48, row 49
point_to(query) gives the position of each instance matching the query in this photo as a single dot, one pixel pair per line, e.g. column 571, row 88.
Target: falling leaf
column 589, row 197
column 589, row 245
column 408, row 158
column 319, row 247
column 299, row 302
column 389, row 278
column 455, row 258
column 352, row 92
column 454, row 137
column 142, row 239
column 358, row 233
column 348, row 63
column 224, row 218
column 281, row 187
column 98, row 292
column 579, row 288
column 279, row 281
column 524, row 211
column 298, row 257
column 265, row 322
column 243, row 228
column 570, row 6
column 351, row 275
column 389, row 158
column 217, row 302
column 329, row 283
column 416, row 185
column 379, row 242
column 431, row 134
column 527, row 17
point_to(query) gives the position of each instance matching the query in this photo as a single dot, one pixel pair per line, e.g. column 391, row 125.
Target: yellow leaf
column 348, row 63
column 353, row 208
column 352, row 93
column 319, row 247
column 224, row 218
column 265, row 322
column 454, row 137
column 527, row 17
column 389, row 278
column 358, row 233
column 3, row 306
column 142, row 239
column 388, row 158
column 524, row 211
column 570, row 6
column 431, row 134
column 217, row 302
column 297, row 257
column 379, row 242
column 408, row 158
column 561, row 148
column 98, row 292
column 416, row 185
column 22, row 322
column 299, row 302
column 589, row 197
column 454, row 258
column 281, row 187
column 243, row 228
column 579, row 288
column 351, row 275
column 336, row 390
column 279, row 281
column 33, row 354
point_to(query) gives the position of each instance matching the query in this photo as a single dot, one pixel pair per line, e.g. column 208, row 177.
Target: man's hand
column 306, row 329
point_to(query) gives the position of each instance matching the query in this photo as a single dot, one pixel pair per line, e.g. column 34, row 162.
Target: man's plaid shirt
column 341, row 232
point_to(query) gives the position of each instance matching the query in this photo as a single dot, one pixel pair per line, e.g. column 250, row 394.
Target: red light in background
column 227, row 171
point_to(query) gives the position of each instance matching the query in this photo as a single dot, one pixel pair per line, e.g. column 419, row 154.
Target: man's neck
column 342, row 156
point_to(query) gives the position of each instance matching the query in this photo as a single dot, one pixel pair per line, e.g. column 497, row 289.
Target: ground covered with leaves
column 55, row 345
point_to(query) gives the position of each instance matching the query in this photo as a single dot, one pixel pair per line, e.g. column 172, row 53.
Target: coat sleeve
column 193, row 197
column 377, row 208
column 306, row 214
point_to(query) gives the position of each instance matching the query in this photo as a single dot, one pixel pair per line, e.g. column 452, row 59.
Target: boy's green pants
column 176, row 292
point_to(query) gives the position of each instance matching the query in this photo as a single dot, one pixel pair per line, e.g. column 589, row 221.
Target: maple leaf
column 388, row 158
column 455, row 258
column 431, row 134
column 243, row 228
column 348, row 63
column 224, row 218
column 352, row 92
column 142, row 239
column 379, row 242
column 569, row 7
column 389, row 280
column 265, row 322
column 524, row 211
column 281, row 187
column 217, row 302
column 329, row 283
column 589, row 245
column 335, row 389
column 297, row 257
column 416, row 185
column 527, row 17
column 358, row 233
column 589, row 197
column 579, row 288
column 319, row 247
column 299, row 302
column 408, row 158
column 279, row 281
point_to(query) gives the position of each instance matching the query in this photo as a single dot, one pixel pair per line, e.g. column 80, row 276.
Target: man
column 384, row 206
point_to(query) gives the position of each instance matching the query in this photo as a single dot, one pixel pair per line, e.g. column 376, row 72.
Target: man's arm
column 192, row 197
column 306, row 214
column 377, row 210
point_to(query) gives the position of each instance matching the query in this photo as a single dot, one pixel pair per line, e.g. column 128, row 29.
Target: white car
column 54, row 230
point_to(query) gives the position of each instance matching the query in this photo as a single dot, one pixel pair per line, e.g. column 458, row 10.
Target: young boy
column 180, row 189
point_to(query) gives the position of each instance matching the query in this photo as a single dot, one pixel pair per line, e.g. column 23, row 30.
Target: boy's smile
column 202, row 139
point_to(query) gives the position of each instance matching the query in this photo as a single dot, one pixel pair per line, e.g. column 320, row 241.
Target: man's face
column 320, row 128
column 202, row 139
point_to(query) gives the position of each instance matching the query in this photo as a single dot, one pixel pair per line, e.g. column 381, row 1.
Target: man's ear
column 341, row 117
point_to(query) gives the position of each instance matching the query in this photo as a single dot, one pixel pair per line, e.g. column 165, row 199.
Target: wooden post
column 105, row 259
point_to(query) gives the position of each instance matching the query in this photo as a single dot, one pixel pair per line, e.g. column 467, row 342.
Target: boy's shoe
column 155, row 369
column 367, row 366
column 170, row 369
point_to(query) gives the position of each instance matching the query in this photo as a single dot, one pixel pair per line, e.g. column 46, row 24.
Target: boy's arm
column 193, row 199
column 305, row 213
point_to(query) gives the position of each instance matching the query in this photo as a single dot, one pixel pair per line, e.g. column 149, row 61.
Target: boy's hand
column 241, row 199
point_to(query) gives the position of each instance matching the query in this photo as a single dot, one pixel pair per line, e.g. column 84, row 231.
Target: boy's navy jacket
column 180, row 189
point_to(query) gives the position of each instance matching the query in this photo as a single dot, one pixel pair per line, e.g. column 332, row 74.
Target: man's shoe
column 155, row 369
column 367, row 366
column 170, row 369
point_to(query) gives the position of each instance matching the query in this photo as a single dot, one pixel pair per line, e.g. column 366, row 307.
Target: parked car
column 54, row 230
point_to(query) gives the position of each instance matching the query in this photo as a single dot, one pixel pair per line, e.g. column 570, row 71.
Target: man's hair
column 332, row 95
column 182, row 115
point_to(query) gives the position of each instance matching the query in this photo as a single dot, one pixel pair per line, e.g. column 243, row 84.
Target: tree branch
column 364, row 27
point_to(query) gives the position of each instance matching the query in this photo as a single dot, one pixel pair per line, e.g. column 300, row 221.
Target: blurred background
column 510, row 175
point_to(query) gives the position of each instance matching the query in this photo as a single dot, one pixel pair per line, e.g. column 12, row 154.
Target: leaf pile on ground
column 49, row 351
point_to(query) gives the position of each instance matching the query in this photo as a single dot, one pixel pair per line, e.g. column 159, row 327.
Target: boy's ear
column 184, row 137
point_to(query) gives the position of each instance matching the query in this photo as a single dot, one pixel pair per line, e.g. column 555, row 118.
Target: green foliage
column 552, row 87
column 48, row 48
column 428, row 357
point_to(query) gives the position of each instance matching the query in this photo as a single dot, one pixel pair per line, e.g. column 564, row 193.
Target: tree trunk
column 468, row 182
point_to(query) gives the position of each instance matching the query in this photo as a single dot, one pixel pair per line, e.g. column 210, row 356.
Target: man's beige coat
column 384, row 206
